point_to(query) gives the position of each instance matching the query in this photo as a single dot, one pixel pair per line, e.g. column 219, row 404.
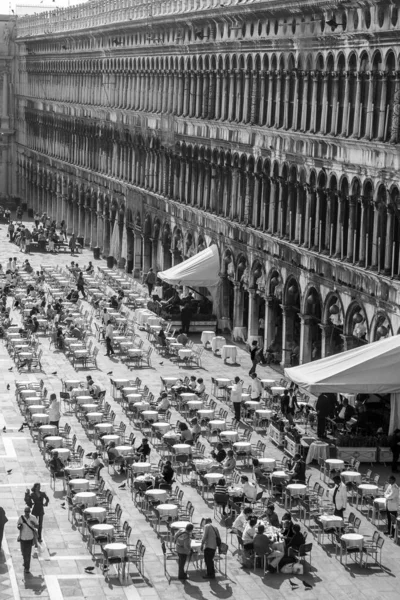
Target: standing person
column 150, row 280
column 339, row 496
column 392, row 503
column 236, row 397
column 186, row 317
column 28, row 237
column 80, row 285
column 36, row 218
column 54, row 410
column 256, row 388
column 395, row 448
column 325, row 407
column 3, row 521
column 109, row 338
column 209, row 543
column 63, row 230
column 37, row 500
column 72, row 244
column 183, row 548
column 11, row 231
column 254, row 357
column 27, row 526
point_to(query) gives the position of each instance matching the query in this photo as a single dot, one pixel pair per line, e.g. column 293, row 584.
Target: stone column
column 253, row 313
column 369, row 108
column 314, row 105
column 357, row 102
column 324, row 330
column 305, row 102
column 286, row 343
column 350, row 232
column 394, row 126
column 237, row 305
column 5, row 120
column 389, row 240
column 278, row 98
column 218, row 95
column 261, row 99
column 270, row 325
column 325, row 103
column 335, row 95
column 305, row 339
column 382, row 107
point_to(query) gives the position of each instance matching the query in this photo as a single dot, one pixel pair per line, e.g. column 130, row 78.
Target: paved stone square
column 59, row 573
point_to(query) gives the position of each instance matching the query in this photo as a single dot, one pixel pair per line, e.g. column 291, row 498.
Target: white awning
column 370, row 369
column 200, row 270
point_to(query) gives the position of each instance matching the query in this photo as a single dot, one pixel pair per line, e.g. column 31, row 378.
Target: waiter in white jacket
column 392, row 504
column 339, row 496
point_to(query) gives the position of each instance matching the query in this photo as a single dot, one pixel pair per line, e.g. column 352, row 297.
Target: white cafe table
column 170, row 380
column 229, row 352
column 87, row 498
column 124, row 450
column 103, row 529
column 263, row 413
column 186, row 396
column 133, row 397
column 294, row 490
column 150, row 415
column 96, row 512
column 242, row 447
column 47, row 430
column 63, row 453
column 217, row 343
column 33, row 400
column 84, row 399
column 329, row 522
column 40, row 418
column 175, row 346
column 213, row 478
column 366, row 489
column 156, row 494
column 185, row 353
column 354, row 540
column 222, row 382
column 317, row 450
column 36, row 408
column 178, row 524
column 80, row 484
column 194, row 404
column 54, row 440
column 153, row 321
column 141, row 406
column 267, row 464
column 281, row 475
column 28, row 393
column 351, row 477
column 277, row 390
column 110, row 437
column 206, row 337
column 253, row 404
column 89, row 407
column 163, row 427
column 94, row 417
column 71, row 383
column 203, row 464
column 229, row 436
column 141, row 467
column 217, row 424
column 206, row 413
column 182, row 448
column 77, row 472
column 333, row 464
column 171, row 436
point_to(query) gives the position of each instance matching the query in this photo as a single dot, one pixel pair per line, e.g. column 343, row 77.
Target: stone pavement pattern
column 60, row 572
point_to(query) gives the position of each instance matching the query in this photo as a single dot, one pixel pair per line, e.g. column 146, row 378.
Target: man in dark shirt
column 298, row 470
column 220, row 454
column 325, row 407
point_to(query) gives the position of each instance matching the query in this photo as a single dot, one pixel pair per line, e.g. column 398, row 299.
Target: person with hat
column 27, row 525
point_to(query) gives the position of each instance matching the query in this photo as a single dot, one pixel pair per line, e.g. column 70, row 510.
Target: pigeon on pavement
column 293, row 585
column 8, row 386
column 307, row 585
column 122, row 487
column 9, row 471
column 4, row 429
column 54, row 373
column 110, row 373
column 11, row 368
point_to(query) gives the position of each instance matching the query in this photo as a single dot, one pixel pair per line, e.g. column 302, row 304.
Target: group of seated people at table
column 194, row 386
column 140, row 454
column 264, row 535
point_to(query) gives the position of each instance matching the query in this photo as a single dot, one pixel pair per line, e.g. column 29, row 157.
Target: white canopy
column 200, row 270
column 373, row 368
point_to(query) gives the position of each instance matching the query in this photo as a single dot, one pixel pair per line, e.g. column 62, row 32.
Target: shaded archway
column 356, row 327
column 291, row 323
column 310, row 346
column 333, row 322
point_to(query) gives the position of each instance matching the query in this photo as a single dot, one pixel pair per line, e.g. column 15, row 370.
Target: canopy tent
column 369, row 369
column 200, row 270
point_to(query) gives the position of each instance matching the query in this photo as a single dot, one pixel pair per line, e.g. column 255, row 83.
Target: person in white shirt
column 392, row 504
column 54, row 410
column 241, row 520
column 339, row 496
column 256, row 387
column 27, row 526
column 164, row 403
column 200, row 387
column 236, row 397
column 249, row 489
column 248, row 533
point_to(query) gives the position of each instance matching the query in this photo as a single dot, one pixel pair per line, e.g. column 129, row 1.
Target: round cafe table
column 333, row 464
column 63, row 453
column 103, row 529
column 267, row 464
column 156, row 494
column 96, row 512
column 84, row 399
column 351, row 477
column 366, row 489
column 242, row 447
column 47, row 430
column 280, row 475
column 182, row 448
column 229, row 436
column 213, row 478
column 141, row 406
column 54, row 440
column 28, row 394
column 40, row 418
column 267, row 382
column 150, row 415
column 206, row 413
column 185, row 353
column 89, row 407
column 277, row 390
column 252, row 404
column 206, row 337
column 264, row 413
column 187, row 396
column 141, row 467
column 104, row 427
column 229, row 352
column 217, row 424
column 110, row 437
column 87, row 498
column 329, row 521
column 36, row 408
column 77, row 472
column 163, row 427
column 203, row 464
column 124, row 450
column 94, row 417
column 115, row 549
column 317, row 450
column 353, row 540
column 133, row 397
column 217, row 343
column 79, row 485
column 177, row 524
column 194, row 404
column 296, row 489
column 170, row 380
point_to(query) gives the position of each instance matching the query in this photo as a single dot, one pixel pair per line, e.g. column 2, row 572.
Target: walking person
column 254, row 357
column 209, row 543
column 11, row 231
column 236, row 397
column 392, row 503
column 150, row 280
column 109, row 338
column 3, row 521
column 80, row 285
column 27, row 525
column 54, row 410
column 37, row 501
column 72, row 244
column 339, row 496
column 36, row 218
column 63, row 230
column 183, row 548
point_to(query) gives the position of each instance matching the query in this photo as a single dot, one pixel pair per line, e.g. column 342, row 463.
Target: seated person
column 73, row 296
column 345, row 412
column 186, row 434
column 229, row 464
column 114, row 456
column 167, row 474
column 95, row 465
column 56, row 465
column 241, row 520
column 248, row 533
column 287, row 527
column 161, row 338
column 259, row 474
column 196, row 428
column 90, row 268
column 271, row 517
column 200, row 387
column 297, row 469
column 76, row 332
column 221, row 489
column 293, row 544
column 261, row 542
column 94, row 389
column 219, row 455
column 182, row 338
column 114, row 302
column 143, row 451
column 60, row 339
column 249, row 489
column 163, row 403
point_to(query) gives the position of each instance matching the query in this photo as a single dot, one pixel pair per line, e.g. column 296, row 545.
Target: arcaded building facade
column 158, row 128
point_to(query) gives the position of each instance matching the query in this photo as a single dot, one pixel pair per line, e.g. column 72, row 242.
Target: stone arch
column 381, row 326
column 356, row 324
